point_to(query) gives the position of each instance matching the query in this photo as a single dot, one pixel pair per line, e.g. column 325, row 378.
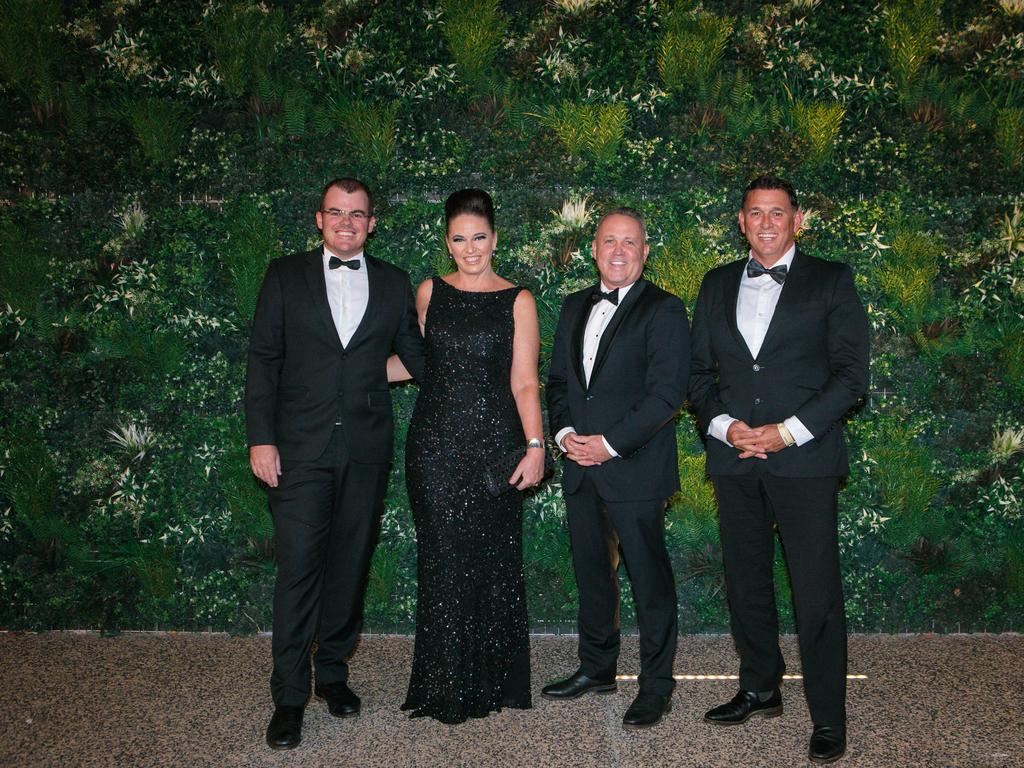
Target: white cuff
column 799, row 432
column 561, row 436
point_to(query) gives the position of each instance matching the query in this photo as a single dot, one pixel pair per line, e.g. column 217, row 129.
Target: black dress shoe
column 828, row 743
column 341, row 701
column 285, row 729
column 646, row 710
column 745, row 705
column 577, row 685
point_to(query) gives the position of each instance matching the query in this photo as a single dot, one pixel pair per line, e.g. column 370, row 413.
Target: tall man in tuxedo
column 319, row 423
column 619, row 371
column 780, row 354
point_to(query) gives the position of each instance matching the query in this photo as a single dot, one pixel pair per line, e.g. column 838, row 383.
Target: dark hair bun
column 472, row 201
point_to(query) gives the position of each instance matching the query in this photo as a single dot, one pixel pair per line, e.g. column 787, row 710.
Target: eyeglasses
column 334, row 214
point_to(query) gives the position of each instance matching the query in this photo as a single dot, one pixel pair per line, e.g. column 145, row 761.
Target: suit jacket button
column 757, row 367
column 757, row 401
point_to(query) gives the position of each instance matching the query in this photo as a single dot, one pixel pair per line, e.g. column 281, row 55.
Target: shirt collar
column 623, row 289
column 787, row 258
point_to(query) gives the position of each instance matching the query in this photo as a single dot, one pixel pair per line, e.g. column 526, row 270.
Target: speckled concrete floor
column 76, row 699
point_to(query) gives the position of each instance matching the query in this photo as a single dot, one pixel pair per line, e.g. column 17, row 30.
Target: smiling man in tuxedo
column 319, row 423
column 780, row 354
column 619, row 370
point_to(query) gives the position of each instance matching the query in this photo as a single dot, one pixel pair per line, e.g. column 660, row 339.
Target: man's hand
column 266, row 463
column 768, row 438
column 745, row 439
column 585, row 450
column 755, row 441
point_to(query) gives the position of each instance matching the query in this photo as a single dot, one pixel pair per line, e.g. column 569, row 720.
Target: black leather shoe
column 646, row 710
column 285, row 729
column 341, row 701
column 828, row 743
column 577, row 685
column 745, row 705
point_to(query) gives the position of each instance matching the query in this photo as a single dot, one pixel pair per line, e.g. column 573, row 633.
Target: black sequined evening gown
column 472, row 652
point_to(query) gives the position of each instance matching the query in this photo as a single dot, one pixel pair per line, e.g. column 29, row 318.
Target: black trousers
column 599, row 531
column 326, row 520
column 804, row 510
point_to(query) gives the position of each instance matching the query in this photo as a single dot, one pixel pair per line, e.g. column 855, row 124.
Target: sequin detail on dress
column 472, row 652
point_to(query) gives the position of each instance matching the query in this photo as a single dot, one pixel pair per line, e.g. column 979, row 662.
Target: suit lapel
column 732, row 297
column 625, row 306
column 577, row 338
column 372, row 299
column 796, row 285
column 318, row 290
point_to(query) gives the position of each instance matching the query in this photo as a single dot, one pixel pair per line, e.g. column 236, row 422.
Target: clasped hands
column 756, row 442
column 585, row 450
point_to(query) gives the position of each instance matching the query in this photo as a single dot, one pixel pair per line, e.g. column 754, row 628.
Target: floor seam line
column 614, row 734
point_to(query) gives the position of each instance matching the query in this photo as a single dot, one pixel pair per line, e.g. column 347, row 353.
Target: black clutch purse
column 498, row 471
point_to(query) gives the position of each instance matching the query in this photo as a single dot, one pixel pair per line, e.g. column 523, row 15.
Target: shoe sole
column 642, row 726
column 823, row 760
column 598, row 689
column 336, row 714
column 767, row 714
column 283, row 747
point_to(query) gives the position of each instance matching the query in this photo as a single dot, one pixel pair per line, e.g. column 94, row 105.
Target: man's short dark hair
column 347, row 184
column 768, row 181
column 625, row 210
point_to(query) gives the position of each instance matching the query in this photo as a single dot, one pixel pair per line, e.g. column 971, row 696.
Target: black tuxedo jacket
column 301, row 380
column 813, row 364
column 637, row 385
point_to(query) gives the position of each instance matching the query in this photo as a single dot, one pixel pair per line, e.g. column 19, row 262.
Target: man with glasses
column 319, row 424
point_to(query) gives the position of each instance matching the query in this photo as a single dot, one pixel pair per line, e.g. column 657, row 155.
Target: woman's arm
column 423, row 294
column 397, row 371
column 525, row 385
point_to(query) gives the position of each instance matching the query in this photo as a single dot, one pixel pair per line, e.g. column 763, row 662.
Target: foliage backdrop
column 155, row 155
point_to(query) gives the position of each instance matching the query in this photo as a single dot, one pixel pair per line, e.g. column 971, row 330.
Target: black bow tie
column 334, row 262
column 778, row 274
column 599, row 296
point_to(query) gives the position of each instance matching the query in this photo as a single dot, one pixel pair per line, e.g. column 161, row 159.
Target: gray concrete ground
column 166, row 699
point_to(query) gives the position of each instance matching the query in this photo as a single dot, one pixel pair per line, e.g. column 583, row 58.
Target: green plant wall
column 155, row 155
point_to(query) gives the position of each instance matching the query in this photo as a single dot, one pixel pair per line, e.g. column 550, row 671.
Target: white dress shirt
column 755, row 307
column 348, row 292
column 600, row 315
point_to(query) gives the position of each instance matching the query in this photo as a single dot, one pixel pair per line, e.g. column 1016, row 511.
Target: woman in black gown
column 479, row 399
